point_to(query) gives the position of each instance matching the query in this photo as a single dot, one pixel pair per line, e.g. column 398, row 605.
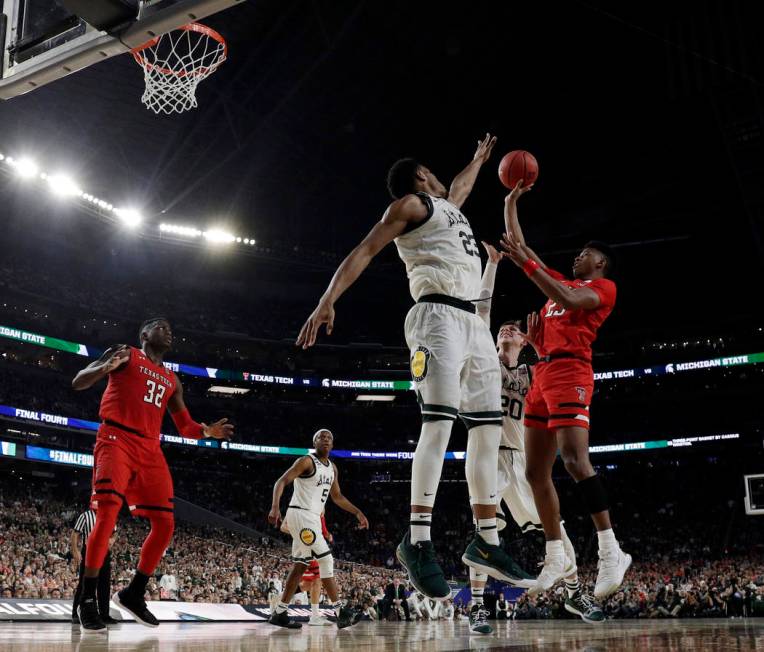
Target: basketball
column 517, row 165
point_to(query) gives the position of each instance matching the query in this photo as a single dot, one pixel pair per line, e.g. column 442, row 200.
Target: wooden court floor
column 653, row 635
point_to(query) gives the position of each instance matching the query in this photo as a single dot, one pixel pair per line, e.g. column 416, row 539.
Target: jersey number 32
column 154, row 393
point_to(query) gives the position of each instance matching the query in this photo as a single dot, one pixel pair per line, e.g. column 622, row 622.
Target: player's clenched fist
column 363, row 522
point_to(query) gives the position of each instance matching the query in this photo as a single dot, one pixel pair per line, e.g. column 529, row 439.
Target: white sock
column 281, row 607
column 572, row 586
column 337, row 606
column 477, row 596
column 486, row 527
column 420, row 526
column 607, row 540
column 554, row 547
column 314, row 610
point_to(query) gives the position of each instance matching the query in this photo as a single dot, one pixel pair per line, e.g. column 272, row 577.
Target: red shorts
column 560, row 395
column 131, row 468
column 312, row 573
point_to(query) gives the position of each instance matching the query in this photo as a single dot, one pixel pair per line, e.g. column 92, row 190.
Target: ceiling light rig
column 64, row 187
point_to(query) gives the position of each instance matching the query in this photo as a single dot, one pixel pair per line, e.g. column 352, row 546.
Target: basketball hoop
column 174, row 64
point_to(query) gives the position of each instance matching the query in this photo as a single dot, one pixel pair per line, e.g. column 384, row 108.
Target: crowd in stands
column 681, row 569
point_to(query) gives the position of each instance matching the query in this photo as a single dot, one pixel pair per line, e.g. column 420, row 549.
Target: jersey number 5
column 324, row 494
column 469, row 243
column 154, row 393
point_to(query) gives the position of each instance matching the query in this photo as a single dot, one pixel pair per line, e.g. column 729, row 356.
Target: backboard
column 754, row 494
column 44, row 40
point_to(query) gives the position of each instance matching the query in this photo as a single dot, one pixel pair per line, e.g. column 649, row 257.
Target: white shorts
column 453, row 364
column 307, row 540
column 515, row 492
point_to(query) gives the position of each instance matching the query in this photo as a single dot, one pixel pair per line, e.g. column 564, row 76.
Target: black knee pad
column 594, row 494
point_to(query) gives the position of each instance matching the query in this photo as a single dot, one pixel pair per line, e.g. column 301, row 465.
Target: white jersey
column 441, row 254
column 515, row 383
column 311, row 491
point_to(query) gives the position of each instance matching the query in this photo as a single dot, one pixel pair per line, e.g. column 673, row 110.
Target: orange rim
column 191, row 27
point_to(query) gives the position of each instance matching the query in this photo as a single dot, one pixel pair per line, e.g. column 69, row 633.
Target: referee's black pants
column 103, row 591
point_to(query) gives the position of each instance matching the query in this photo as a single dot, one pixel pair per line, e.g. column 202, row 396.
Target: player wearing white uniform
column 453, row 363
column 514, row 490
column 315, row 479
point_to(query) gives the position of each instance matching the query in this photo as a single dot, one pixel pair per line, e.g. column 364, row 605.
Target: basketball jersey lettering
column 552, row 312
column 311, row 493
column 441, row 254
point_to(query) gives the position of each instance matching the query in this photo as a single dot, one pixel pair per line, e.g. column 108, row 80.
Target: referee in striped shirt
column 79, row 538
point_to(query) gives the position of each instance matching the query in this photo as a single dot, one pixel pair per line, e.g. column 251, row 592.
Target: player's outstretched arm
column 112, row 359
column 561, row 294
column 343, row 503
column 487, row 283
column 301, row 466
column 461, row 186
column 511, row 220
column 187, row 426
column 399, row 215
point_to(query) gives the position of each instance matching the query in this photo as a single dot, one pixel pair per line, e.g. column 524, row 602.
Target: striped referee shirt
column 85, row 523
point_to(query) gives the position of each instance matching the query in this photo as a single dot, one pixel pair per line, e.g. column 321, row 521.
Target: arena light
column 218, row 236
column 183, row 231
column 129, row 217
column 62, row 185
column 375, row 397
column 224, row 389
column 26, row 168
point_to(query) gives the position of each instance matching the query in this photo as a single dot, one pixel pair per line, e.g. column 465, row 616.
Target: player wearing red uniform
column 557, row 406
column 129, row 464
column 310, row 582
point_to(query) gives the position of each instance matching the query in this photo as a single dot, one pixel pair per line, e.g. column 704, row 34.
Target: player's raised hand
column 533, row 334
column 514, row 250
column 323, row 314
column 363, row 522
column 483, row 151
column 120, row 356
column 518, row 191
column 218, row 430
column 493, row 255
column 274, row 516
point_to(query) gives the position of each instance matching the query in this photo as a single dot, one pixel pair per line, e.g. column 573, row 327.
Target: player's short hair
column 607, row 252
column 401, row 177
column 319, row 431
column 148, row 324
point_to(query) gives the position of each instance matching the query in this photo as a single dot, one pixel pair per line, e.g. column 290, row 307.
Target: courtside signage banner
column 354, row 384
column 52, row 610
column 43, row 340
column 58, row 456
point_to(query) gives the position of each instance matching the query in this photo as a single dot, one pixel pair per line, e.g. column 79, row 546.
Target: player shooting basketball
column 557, row 406
column 129, row 464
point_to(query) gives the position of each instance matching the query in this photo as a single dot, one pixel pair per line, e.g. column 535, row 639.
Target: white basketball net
column 174, row 64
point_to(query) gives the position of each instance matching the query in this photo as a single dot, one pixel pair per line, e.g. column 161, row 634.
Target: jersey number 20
column 513, row 407
column 154, row 393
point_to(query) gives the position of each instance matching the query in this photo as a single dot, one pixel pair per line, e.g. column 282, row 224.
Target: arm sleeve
column 605, row 289
column 186, row 425
column 486, row 292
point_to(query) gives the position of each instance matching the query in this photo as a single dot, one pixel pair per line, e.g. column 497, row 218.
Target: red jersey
column 573, row 331
column 137, row 395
